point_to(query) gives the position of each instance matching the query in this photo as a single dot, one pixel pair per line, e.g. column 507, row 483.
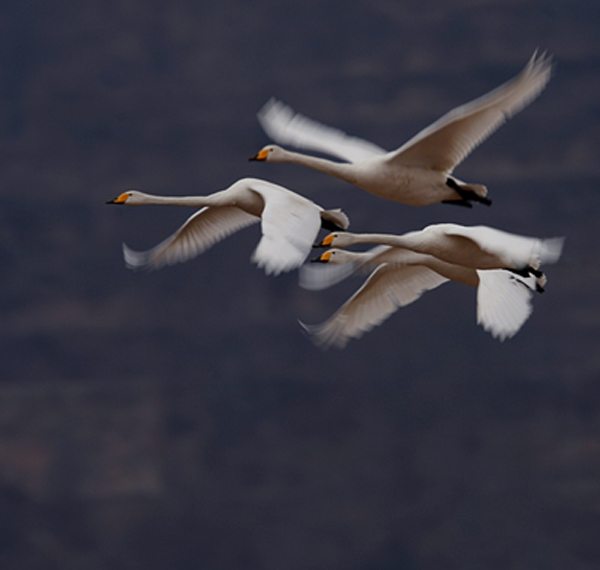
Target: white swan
column 477, row 247
column 419, row 172
column 400, row 277
column 290, row 224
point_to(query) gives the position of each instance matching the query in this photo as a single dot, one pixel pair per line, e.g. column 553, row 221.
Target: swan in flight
column 400, row 277
column 289, row 222
column 419, row 173
column 476, row 247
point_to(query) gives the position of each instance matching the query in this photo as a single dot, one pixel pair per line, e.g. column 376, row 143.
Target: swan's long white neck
column 407, row 240
column 342, row 170
column 191, row 201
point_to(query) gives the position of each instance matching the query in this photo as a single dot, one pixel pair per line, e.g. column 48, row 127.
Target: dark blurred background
column 180, row 419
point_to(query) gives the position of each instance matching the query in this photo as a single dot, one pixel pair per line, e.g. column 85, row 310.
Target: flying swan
column 419, row 173
column 504, row 267
column 399, row 277
column 477, row 247
column 289, row 222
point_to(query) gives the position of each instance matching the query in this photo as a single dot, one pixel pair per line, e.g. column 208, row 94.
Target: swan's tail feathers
column 540, row 282
column 544, row 251
column 479, row 192
column 548, row 251
column 504, row 301
column 334, row 220
column 469, row 192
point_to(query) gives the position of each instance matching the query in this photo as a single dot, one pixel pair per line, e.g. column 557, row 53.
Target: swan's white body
column 419, row 172
column 399, row 278
column 289, row 223
column 477, row 247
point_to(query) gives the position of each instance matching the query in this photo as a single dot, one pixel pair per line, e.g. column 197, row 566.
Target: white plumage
column 289, row 224
column 419, row 172
column 398, row 278
column 478, row 247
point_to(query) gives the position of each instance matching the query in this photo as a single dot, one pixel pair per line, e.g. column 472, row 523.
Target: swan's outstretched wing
column 449, row 140
column 286, row 127
column 503, row 302
column 514, row 249
column 387, row 288
column 290, row 224
column 316, row 277
column 200, row 232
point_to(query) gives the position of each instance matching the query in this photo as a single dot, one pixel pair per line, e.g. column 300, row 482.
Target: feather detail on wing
column 200, row 232
column 450, row 139
column 285, row 126
column 516, row 250
column 316, row 277
column 290, row 224
column 386, row 289
column 503, row 302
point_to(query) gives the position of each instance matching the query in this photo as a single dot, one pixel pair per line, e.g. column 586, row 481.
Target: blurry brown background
column 180, row 419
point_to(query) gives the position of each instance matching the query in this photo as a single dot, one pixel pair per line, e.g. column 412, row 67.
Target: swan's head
column 131, row 198
column 270, row 153
column 337, row 239
column 336, row 257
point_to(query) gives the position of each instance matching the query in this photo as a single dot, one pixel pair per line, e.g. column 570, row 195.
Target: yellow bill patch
column 262, row 155
column 122, row 198
column 328, row 240
column 326, row 256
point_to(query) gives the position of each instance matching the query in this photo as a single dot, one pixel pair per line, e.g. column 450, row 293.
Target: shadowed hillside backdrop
column 180, row 419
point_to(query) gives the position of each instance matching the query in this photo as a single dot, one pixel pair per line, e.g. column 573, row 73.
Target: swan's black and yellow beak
column 261, row 156
column 324, row 258
column 326, row 242
column 121, row 199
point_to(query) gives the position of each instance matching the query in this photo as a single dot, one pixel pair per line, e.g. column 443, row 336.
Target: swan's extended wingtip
column 312, row 333
column 136, row 260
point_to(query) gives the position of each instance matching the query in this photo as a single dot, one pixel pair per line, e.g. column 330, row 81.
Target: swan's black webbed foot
column 331, row 226
column 461, row 202
column 528, row 271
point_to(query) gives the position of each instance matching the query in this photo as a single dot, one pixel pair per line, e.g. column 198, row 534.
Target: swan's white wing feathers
column 512, row 248
column 200, row 232
column 285, row 126
column 450, row 139
column 290, row 223
column 317, row 276
column 503, row 302
column 386, row 289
